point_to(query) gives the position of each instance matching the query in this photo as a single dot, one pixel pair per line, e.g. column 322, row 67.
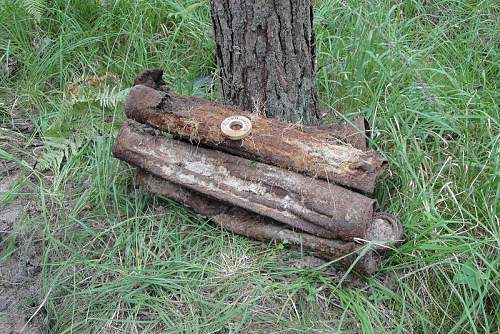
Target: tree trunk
column 265, row 51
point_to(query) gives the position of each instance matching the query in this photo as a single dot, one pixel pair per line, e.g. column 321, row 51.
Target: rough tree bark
column 265, row 51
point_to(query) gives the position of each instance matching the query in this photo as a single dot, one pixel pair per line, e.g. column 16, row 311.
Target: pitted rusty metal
column 309, row 204
column 280, row 182
column 336, row 153
column 257, row 227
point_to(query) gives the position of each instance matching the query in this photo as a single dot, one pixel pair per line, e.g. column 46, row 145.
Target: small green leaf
column 468, row 276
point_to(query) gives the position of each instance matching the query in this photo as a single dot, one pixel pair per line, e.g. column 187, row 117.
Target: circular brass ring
column 236, row 127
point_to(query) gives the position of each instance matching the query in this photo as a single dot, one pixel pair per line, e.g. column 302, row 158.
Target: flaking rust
column 311, row 205
column 305, row 185
column 336, row 153
column 261, row 228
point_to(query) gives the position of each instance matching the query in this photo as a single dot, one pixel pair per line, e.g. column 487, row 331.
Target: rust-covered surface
column 311, row 205
column 258, row 227
column 336, row 153
column 355, row 134
column 281, row 182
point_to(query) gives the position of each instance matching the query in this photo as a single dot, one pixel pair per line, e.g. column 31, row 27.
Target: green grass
column 424, row 73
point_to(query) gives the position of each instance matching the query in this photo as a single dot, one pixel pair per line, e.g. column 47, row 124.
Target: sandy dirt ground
column 20, row 251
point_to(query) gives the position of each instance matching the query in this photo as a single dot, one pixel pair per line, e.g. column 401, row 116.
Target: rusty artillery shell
column 311, row 205
column 257, row 227
column 336, row 153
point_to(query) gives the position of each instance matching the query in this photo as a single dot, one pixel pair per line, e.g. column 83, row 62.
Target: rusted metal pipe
column 311, row 205
column 257, row 227
column 336, row 153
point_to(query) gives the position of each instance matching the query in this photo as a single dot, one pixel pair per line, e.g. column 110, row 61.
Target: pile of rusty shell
column 311, row 205
column 337, row 153
column 261, row 228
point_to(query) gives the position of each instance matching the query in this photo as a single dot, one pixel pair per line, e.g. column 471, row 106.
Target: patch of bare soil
column 20, row 254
